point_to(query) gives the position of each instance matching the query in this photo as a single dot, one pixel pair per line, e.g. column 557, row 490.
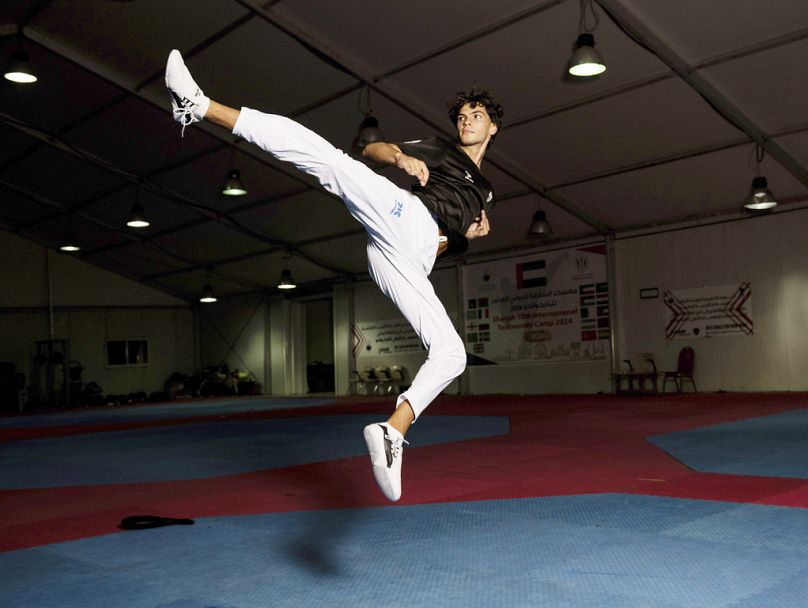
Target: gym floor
column 577, row 501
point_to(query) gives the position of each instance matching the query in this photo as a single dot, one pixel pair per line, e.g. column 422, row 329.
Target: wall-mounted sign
column 387, row 337
column 549, row 308
column 706, row 312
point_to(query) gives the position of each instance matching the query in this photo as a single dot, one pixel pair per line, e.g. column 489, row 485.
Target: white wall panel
column 770, row 252
column 235, row 333
column 90, row 305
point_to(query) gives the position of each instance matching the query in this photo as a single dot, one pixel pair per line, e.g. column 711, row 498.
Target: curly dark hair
column 477, row 97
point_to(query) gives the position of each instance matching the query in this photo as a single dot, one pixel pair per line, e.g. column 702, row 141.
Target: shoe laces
column 396, row 444
column 185, row 116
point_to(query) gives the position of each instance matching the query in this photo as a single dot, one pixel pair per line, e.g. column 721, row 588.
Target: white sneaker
column 386, row 447
column 187, row 100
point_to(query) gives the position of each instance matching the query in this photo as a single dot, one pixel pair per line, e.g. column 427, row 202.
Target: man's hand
column 480, row 227
column 413, row 166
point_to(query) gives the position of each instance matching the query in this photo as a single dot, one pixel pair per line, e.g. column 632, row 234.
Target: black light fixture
column 233, row 185
column 540, row 227
column 586, row 61
column 137, row 218
column 207, row 296
column 18, row 69
column 369, row 131
column 286, row 282
column 760, row 198
column 69, row 243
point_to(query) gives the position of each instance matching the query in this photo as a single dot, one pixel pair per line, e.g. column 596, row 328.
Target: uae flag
column 531, row 274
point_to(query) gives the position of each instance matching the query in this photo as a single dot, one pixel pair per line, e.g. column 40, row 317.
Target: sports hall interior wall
column 90, row 305
column 267, row 337
column 236, row 333
column 769, row 252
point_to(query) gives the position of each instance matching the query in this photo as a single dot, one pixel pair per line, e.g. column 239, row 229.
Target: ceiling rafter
column 468, row 39
column 211, row 129
column 131, row 237
column 414, row 107
column 509, row 165
column 136, row 90
column 672, row 158
column 655, row 162
column 752, row 49
column 585, row 101
column 152, row 236
column 635, row 28
column 224, row 220
column 204, row 219
column 261, row 11
column 256, row 254
column 122, row 271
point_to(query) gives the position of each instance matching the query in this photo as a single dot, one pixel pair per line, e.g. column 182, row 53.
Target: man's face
column 474, row 125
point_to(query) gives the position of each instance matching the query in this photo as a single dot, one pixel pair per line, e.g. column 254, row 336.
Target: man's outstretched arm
column 390, row 154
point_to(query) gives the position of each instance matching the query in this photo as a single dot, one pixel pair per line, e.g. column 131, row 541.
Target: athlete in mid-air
column 407, row 231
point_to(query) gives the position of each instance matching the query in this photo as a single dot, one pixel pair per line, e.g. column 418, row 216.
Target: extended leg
column 222, row 115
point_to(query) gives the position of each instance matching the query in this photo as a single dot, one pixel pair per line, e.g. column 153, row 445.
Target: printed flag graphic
column 531, row 274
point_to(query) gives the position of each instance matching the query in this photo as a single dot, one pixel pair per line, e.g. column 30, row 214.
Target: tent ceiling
column 667, row 135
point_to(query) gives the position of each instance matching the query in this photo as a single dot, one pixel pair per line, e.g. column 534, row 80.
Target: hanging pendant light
column 207, row 296
column 286, row 282
column 760, row 198
column 69, row 243
column 19, row 70
column 233, row 185
column 540, row 227
column 369, row 131
column 586, row 61
column 137, row 219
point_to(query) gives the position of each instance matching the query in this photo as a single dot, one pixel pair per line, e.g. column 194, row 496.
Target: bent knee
column 456, row 358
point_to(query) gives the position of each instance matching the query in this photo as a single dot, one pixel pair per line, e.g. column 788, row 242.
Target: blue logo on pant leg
column 397, row 209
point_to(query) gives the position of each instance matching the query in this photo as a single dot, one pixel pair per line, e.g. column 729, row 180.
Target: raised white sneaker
column 386, row 447
column 188, row 102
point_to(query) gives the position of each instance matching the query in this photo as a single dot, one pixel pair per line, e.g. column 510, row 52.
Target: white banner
column 706, row 312
column 540, row 308
column 387, row 337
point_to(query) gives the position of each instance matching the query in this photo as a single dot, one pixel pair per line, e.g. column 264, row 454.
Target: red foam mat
column 558, row 445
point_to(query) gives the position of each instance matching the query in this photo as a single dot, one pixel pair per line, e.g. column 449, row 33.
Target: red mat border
column 558, row 445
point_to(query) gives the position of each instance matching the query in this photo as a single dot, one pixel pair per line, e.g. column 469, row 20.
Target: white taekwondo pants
column 402, row 240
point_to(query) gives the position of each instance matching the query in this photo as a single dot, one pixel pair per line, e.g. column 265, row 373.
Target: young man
column 406, row 230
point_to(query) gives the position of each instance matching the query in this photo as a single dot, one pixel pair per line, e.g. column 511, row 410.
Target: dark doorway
column 319, row 346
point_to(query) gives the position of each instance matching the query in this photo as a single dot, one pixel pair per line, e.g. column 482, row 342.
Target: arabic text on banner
column 706, row 312
column 541, row 308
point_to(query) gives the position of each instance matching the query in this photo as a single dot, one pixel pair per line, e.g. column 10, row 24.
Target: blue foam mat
column 596, row 551
column 161, row 411
column 200, row 450
column 772, row 446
